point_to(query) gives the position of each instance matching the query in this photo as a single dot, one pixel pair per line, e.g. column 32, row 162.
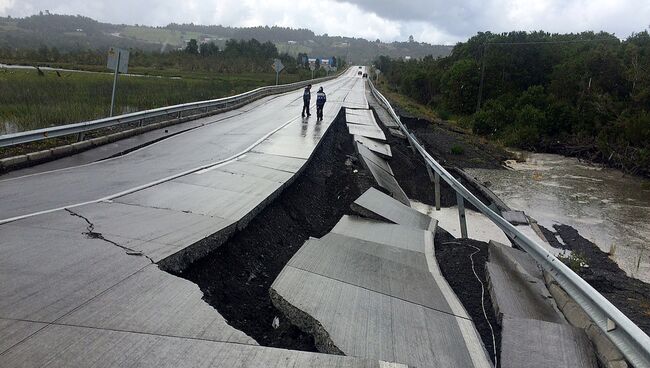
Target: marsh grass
column 29, row 101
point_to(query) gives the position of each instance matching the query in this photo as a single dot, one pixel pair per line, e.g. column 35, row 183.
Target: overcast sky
column 434, row 21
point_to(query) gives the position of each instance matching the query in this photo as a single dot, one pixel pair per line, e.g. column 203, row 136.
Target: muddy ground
column 628, row 294
column 454, row 147
column 236, row 277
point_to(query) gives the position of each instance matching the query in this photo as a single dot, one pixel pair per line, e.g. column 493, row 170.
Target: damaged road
column 236, row 277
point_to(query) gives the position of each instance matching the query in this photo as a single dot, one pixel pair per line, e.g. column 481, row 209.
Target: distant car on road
column 365, row 75
column 360, row 66
column 359, row 73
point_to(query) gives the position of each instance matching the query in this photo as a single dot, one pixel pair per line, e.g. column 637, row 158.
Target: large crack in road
column 92, row 234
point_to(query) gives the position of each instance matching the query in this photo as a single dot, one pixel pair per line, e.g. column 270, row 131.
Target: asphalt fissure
column 236, row 277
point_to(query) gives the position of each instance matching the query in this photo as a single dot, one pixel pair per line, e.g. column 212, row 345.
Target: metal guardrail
column 633, row 343
column 138, row 117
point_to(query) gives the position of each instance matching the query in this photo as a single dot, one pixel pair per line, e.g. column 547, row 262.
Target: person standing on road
column 306, row 98
column 320, row 103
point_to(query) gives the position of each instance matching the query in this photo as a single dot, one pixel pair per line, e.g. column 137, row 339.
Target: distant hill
column 68, row 33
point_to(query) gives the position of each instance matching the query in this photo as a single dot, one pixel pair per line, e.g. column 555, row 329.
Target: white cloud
column 437, row 21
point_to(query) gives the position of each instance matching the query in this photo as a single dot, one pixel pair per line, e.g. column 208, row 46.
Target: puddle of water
column 606, row 206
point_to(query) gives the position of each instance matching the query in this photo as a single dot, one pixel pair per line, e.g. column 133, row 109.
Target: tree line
column 585, row 94
column 238, row 56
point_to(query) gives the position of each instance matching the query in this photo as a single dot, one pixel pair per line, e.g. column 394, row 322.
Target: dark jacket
column 320, row 98
column 306, row 95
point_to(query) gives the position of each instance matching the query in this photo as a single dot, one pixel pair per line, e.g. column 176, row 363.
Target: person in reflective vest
column 320, row 102
column 306, row 97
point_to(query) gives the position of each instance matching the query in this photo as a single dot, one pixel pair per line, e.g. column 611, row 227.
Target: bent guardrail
column 633, row 343
column 137, row 117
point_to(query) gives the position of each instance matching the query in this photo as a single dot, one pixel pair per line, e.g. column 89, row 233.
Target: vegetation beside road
column 34, row 99
column 582, row 94
column 31, row 101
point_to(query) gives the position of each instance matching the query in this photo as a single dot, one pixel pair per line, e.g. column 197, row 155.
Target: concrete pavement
column 79, row 246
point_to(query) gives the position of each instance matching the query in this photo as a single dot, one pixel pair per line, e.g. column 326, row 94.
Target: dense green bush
column 590, row 90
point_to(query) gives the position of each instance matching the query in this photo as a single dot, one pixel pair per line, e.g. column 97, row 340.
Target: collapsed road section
column 79, row 287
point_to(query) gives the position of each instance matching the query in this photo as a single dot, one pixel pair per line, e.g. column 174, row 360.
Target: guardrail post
column 435, row 179
column 430, row 172
column 461, row 215
column 141, row 122
column 80, row 136
column 436, row 186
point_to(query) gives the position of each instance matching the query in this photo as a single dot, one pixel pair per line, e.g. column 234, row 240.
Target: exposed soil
column 453, row 256
column 236, row 277
column 628, row 294
column 411, row 174
column 454, row 147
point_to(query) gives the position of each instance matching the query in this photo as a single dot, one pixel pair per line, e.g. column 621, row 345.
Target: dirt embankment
column 630, row 295
column 236, row 277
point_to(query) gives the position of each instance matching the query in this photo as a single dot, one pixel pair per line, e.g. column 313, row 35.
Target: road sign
column 116, row 56
column 118, row 60
column 277, row 65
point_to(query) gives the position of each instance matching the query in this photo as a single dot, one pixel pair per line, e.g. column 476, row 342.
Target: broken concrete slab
column 364, row 323
column 379, row 232
column 515, row 217
column 361, row 120
column 516, row 258
column 401, row 273
column 516, row 294
column 392, row 210
column 369, row 155
column 384, row 117
column 385, row 180
column 366, row 131
column 155, row 302
column 364, row 113
column 530, row 343
column 375, row 146
column 72, row 347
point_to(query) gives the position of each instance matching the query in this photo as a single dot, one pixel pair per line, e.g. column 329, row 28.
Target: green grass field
column 29, row 101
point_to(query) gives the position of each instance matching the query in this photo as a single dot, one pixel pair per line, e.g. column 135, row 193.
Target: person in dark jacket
column 320, row 103
column 306, row 97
